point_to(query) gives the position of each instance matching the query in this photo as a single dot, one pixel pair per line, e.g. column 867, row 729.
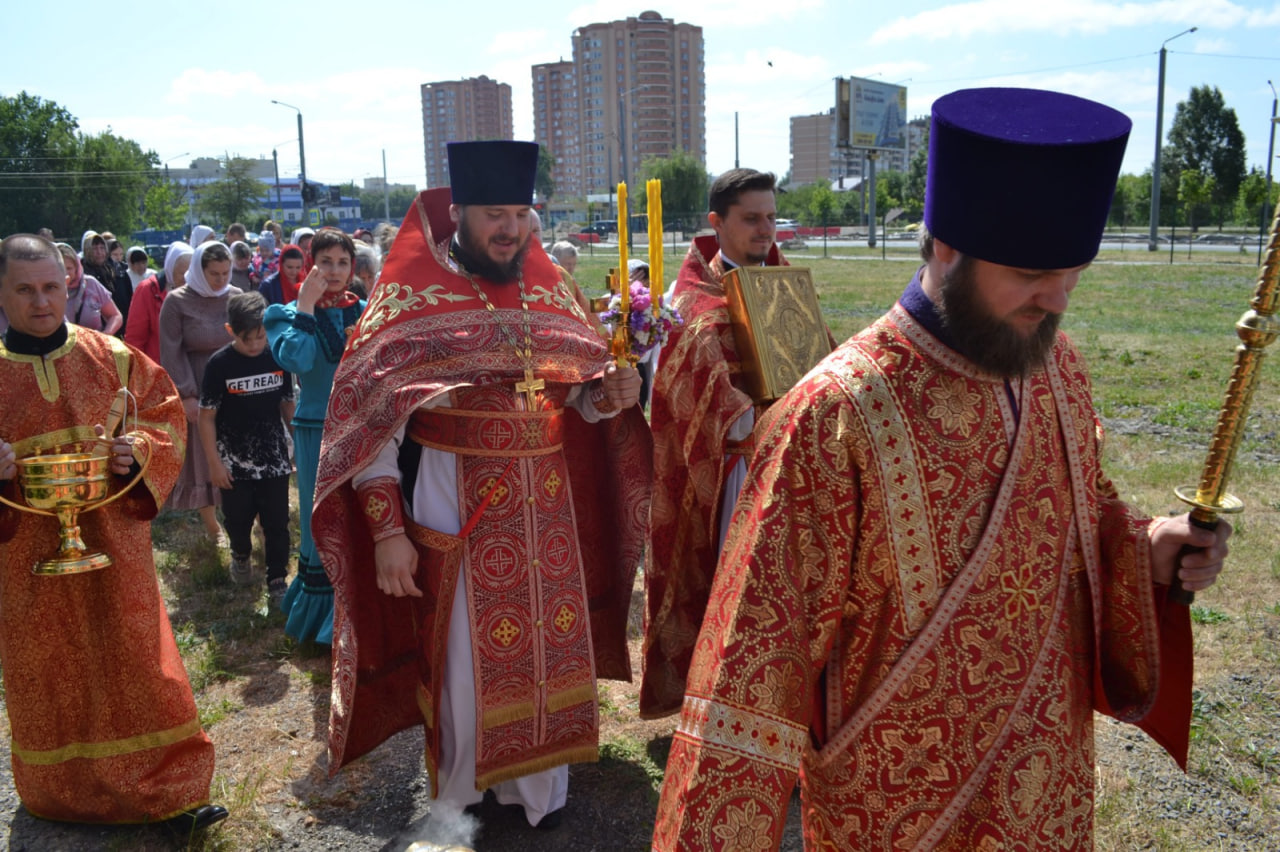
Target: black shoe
column 196, row 819
column 551, row 821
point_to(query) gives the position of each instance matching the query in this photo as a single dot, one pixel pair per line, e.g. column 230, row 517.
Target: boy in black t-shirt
column 245, row 401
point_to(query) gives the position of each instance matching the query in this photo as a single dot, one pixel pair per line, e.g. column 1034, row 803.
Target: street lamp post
column 1271, row 152
column 1155, row 171
column 302, row 154
column 622, row 126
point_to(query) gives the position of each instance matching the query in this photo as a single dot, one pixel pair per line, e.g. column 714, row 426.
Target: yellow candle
column 624, row 222
column 654, row 188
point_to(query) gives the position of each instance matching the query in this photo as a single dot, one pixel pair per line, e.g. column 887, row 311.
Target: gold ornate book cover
column 777, row 326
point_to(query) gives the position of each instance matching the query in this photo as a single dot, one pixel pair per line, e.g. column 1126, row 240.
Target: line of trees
column 1202, row 177
column 53, row 175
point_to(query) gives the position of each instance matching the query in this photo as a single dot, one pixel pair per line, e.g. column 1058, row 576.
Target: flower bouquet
column 645, row 330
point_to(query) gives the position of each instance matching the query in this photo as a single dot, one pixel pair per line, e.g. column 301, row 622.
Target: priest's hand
column 1197, row 569
column 397, row 562
column 8, row 462
column 120, row 448
column 621, row 386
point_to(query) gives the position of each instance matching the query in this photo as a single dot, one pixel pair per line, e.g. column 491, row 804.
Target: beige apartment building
column 635, row 88
column 461, row 111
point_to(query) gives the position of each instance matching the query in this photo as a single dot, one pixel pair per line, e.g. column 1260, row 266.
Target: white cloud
column 1091, row 17
column 1212, row 45
column 199, row 83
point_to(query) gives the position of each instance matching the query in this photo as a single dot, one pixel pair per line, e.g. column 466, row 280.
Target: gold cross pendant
column 530, row 387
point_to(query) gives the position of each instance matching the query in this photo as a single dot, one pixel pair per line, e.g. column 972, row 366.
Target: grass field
column 1160, row 342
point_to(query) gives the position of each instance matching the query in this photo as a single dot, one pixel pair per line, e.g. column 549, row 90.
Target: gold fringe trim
column 424, row 705
column 53, row 440
column 499, row 716
column 112, row 748
column 487, row 454
column 579, row 754
column 569, row 697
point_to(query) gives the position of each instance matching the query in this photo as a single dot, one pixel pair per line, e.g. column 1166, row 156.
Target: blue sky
column 198, row 83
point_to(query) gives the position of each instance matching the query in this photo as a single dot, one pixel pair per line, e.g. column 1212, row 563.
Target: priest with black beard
column 929, row 584
column 481, row 500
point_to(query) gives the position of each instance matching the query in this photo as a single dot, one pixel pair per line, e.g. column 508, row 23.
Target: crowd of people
column 906, row 584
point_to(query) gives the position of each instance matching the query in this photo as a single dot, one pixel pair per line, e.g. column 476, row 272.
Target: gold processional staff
column 1257, row 329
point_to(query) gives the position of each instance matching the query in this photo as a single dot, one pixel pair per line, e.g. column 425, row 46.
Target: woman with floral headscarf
column 88, row 302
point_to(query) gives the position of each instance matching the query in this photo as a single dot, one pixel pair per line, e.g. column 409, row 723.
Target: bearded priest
column 483, row 485
column 929, row 584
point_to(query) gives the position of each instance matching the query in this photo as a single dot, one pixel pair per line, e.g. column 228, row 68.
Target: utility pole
column 386, row 189
column 1271, row 152
column 1155, row 171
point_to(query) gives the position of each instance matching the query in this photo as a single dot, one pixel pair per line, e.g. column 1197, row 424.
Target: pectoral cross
column 530, row 387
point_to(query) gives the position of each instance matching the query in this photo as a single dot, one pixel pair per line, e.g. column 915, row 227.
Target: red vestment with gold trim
column 698, row 394
column 550, row 563
column 927, row 590
column 104, row 724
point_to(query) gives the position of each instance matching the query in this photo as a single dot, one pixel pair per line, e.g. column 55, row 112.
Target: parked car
column 602, row 227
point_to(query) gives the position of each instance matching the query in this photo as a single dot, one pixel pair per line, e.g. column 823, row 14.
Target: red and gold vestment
column 698, row 394
column 104, row 724
column 928, row 588
column 549, row 564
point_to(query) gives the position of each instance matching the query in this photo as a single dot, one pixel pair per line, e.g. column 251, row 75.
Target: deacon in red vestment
column 104, row 724
column 481, row 500
column 702, row 418
column 929, row 584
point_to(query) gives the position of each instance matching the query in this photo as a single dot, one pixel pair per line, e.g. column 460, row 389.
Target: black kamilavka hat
column 493, row 172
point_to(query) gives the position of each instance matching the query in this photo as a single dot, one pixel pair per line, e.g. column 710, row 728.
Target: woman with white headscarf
column 143, row 327
column 201, row 234
column 192, row 327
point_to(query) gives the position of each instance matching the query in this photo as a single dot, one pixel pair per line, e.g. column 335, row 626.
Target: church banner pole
column 1257, row 329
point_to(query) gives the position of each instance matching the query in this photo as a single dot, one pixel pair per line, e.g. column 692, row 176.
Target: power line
column 1228, row 56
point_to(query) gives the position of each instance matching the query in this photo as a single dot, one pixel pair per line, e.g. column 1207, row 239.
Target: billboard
column 870, row 114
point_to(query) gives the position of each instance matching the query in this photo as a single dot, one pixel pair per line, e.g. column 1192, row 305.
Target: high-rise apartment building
column 461, row 111
column 555, row 123
column 815, row 156
column 640, row 88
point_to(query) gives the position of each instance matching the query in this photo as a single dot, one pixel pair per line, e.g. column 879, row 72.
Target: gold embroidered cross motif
column 565, row 618
column 505, row 633
column 499, row 492
column 376, row 508
column 552, row 483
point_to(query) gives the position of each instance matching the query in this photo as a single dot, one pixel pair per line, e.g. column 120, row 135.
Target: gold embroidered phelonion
column 624, row 222
column 654, row 188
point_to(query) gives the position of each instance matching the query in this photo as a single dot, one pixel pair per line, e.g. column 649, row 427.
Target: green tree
column 917, row 178
column 1131, row 205
column 684, row 187
column 163, row 205
column 1252, row 200
column 1195, row 190
column 544, row 183
column 822, row 204
column 234, row 197
column 891, row 192
column 1205, row 137
column 51, row 175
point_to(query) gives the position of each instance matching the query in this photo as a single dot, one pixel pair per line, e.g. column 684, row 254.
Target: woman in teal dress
column 307, row 337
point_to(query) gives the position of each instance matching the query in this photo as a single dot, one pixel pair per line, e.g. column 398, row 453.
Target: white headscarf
column 195, row 275
column 171, row 256
column 199, row 234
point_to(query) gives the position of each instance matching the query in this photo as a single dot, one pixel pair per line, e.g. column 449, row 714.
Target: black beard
column 481, row 265
column 987, row 340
